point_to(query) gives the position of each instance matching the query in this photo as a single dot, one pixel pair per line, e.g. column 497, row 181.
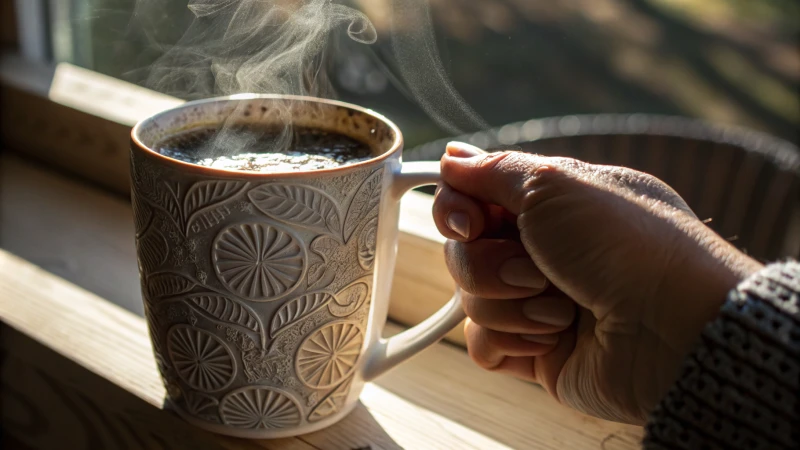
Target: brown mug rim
column 396, row 147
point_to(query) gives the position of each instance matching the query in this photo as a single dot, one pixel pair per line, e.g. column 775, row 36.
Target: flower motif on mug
column 201, row 359
column 259, row 407
column 329, row 354
column 258, row 261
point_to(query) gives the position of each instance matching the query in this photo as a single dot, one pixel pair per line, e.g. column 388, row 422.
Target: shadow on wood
column 49, row 401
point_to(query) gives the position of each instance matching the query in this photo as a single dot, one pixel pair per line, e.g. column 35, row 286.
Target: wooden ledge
column 79, row 369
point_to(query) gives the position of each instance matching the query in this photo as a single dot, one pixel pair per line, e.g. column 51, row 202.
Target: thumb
column 495, row 178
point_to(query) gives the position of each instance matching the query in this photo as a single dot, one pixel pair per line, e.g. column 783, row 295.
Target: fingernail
column 459, row 222
column 543, row 312
column 463, row 150
column 521, row 272
column 547, row 339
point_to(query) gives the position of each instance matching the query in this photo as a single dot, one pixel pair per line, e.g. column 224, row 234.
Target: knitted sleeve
column 739, row 388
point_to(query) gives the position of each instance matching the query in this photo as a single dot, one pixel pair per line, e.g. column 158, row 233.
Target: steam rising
column 258, row 46
column 422, row 71
column 279, row 47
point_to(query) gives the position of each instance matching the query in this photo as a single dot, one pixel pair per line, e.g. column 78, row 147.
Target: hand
column 594, row 281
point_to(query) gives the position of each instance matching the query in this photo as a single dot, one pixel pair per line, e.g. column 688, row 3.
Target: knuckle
column 507, row 161
column 492, row 161
column 479, row 348
column 469, row 305
column 555, row 178
column 474, row 308
column 458, row 263
column 495, row 339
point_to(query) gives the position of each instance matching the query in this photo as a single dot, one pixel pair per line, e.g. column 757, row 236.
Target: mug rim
column 396, row 147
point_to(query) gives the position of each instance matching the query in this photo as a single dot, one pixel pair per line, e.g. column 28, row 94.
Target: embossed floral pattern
column 258, row 261
column 153, row 249
column 209, row 249
column 349, row 299
column 332, row 403
column 329, row 354
column 201, row 359
column 297, row 308
column 225, row 310
column 299, row 205
column 366, row 199
column 198, row 403
column 367, row 240
column 258, row 407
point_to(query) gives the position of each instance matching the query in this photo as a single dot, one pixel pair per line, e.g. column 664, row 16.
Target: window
column 731, row 61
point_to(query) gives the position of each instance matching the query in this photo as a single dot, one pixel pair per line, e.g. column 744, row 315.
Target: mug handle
column 389, row 352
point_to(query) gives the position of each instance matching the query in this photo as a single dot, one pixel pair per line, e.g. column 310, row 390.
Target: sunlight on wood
column 438, row 399
column 433, row 430
column 114, row 99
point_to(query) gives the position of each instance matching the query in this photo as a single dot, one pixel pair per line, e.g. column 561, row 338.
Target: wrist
column 696, row 286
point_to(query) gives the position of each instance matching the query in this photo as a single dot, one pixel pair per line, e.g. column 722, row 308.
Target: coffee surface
column 258, row 149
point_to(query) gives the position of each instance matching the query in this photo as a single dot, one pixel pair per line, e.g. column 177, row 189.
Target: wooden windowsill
column 85, row 366
column 72, row 353
column 79, row 369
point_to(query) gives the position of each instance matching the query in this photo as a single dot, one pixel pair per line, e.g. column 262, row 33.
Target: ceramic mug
column 266, row 293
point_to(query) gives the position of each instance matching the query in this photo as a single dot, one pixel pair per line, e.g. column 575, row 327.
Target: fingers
column 522, row 367
column 544, row 314
column 456, row 215
column 494, row 268
column 488, row 348
column 539, row 362
column 495, row 178
column 550, row 365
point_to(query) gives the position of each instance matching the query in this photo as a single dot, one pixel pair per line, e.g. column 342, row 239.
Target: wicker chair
column 747, row 182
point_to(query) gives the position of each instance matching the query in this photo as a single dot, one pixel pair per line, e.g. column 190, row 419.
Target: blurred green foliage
column 731, row 61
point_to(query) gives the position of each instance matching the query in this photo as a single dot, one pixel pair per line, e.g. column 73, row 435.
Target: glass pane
column 482, row 62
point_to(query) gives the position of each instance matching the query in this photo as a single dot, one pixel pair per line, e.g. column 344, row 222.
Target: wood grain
column 73, row 118
column 75, row 351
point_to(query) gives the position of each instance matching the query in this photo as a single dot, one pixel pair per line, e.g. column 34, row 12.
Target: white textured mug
column 266, row 293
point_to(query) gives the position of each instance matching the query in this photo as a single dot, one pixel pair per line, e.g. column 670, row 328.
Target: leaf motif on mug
column 366, row 199
column 165, row 284
column 315, row 272
column 142, row 214
column 206, row 194
column 225, row 310
column 301, row 205
column 295, row 309
column 367, row 241
column 153, row 249
column 166, row 199
column 324, row 246
column 349, row 299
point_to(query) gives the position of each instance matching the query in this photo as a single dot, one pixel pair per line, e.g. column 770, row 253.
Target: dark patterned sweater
column 740, row 388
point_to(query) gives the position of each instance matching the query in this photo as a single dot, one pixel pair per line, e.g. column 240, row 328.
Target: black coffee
column 258, row 149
